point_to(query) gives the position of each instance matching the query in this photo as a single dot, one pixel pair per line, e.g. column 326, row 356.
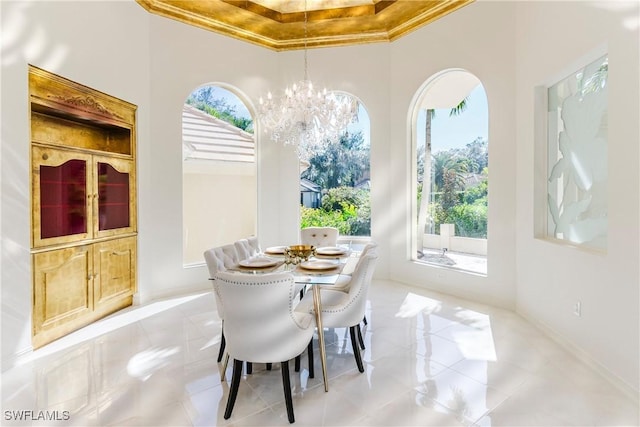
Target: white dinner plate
column 258, row 262
column 318, row 265
column 331, row 250
column 275, row 250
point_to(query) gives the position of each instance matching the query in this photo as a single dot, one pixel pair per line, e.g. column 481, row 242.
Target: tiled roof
column 205, row 137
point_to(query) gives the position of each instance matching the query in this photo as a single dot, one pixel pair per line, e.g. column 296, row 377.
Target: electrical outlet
column 577, row 308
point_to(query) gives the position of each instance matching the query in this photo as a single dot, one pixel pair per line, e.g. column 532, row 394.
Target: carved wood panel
column 63, row 288
column 115, row 262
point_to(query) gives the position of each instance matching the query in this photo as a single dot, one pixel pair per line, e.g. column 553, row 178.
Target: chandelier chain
column 306, row 62
column 306, row 118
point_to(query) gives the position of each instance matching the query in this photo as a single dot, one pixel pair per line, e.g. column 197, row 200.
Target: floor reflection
column 429, row 360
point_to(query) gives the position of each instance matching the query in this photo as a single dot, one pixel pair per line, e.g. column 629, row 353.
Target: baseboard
column 13, row 360
column 175, row 292
column 584, row 357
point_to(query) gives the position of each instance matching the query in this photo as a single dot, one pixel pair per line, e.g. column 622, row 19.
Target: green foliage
column 337, row 169
column 310, row 217
column 449, row 166
column 476, row 153
column 470, row 220
column 455, row 203
column 341, row 163
column 471, row 195
column 340, row 197
column 204, row 100
column 345, row 208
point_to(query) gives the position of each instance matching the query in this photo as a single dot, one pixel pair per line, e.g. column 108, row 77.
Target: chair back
column 220, row 258
column 351, row 309
column 371, row 246
column 352, row 263
column 260, row 324
column 248, row 247
column 319, row 236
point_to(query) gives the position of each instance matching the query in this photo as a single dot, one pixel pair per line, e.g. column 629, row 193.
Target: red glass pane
column 113, row 198
column 63, row 199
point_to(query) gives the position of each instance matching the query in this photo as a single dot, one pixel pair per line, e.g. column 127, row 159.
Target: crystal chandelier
column 305, row 117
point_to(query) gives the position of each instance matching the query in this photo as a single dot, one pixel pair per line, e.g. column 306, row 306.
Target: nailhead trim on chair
column 328, row 309
column 292, row 292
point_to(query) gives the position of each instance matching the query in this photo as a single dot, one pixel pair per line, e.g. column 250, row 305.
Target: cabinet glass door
column 113, row 198
column 61, row 196
column 114, row 180
column 62, row 199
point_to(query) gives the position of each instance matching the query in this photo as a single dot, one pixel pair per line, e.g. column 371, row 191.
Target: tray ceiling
column 279, row 24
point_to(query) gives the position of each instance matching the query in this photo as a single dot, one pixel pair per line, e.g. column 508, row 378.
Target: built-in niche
column 572, row 200
column 83, row 198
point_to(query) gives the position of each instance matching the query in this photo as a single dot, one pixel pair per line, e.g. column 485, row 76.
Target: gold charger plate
column 318, row 265
column 258, row 263
column 331, row 251
column 275, row 250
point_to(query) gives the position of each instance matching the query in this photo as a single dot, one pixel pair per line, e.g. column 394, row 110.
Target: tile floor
column 430, row 360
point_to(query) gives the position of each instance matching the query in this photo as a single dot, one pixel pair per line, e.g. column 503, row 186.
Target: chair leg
column 286, row 385
column 310, row 357
column 223, row 377
column 356, row 348
column 364, row 319
column 360, row 337
column 233, row 392
column 297, row 363
column 222, row 345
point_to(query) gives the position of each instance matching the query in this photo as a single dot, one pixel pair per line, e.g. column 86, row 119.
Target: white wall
column 478, row 39
column 183, row 58
column 155, row 63
column 91, row 51
column 551, row 278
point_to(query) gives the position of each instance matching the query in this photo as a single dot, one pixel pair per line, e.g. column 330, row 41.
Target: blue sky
column 446, row 132
column 457, row 131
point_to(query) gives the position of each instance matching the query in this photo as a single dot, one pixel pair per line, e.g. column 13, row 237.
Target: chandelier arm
column 306, row 118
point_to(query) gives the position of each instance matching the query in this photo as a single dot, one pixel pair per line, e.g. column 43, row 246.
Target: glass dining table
column 318, row 270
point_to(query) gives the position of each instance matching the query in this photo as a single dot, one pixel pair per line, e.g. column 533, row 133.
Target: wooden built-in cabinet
column 84, row 210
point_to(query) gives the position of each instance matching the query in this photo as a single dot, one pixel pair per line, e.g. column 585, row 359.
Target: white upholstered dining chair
column 262, row 326
column 218, row 259
column 248, row 247
column 319, row 236
column 346, row 309
column 344, row 279
column 343, row 283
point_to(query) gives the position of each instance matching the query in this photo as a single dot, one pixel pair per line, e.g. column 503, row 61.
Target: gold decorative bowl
column 300, row 252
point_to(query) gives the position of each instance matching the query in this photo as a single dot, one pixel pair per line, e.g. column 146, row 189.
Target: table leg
column 323, row 355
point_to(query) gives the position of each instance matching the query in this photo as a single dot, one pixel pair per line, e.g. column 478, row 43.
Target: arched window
column 450, row 141
column 335, row 184
column 218, row 171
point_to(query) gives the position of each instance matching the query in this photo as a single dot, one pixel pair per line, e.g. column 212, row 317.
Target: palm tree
column 426, row 182
column 444, row 164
